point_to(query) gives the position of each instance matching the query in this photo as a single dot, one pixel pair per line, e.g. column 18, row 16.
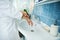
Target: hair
column 27, row 13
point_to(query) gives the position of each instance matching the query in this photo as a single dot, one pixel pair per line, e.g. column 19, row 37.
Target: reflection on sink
column 25, row 26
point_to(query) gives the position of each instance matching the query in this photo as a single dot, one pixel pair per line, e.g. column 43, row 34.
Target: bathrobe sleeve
column 20, row 5
column 8, row 10
column 15, row 13
column 16, row 7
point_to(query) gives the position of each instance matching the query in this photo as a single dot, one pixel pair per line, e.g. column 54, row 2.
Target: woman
column 9, row 14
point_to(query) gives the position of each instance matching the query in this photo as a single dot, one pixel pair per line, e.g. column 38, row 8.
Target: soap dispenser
column 54, row 29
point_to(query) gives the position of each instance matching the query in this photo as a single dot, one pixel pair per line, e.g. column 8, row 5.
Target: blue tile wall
column 48, row 13
column 59, row 29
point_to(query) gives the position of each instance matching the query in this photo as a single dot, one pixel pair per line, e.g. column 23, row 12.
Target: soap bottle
column 54, row 29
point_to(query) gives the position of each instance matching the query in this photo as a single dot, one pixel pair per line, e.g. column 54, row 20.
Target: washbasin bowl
column 35, row 32
column 25, row 26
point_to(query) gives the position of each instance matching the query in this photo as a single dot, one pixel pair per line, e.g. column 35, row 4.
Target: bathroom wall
column 48, row 13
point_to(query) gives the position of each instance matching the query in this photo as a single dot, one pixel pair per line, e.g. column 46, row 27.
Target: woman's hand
column 30, row 22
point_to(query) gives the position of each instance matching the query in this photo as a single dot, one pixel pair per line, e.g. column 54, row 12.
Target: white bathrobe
column 9, row 15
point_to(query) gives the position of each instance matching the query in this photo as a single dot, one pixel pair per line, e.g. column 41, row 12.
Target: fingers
column 30, row 22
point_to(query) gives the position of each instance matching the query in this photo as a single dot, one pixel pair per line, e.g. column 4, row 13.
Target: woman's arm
column 25, row 16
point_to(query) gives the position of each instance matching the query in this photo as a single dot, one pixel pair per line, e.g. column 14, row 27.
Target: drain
column 32, row 30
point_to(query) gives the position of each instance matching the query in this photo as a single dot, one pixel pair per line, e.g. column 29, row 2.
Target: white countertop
column 38, row 34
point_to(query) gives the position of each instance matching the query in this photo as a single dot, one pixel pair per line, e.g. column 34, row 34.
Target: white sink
column 35, row 32
column 25, row 26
